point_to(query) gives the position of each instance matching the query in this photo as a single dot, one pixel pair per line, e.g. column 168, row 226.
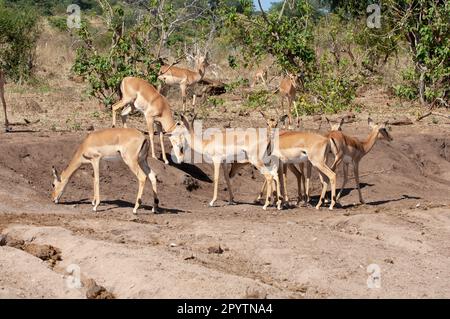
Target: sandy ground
column 190, row 250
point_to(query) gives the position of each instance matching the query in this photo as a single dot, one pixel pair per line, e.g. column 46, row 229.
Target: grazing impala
column 185, row 78
column 2, row 97
column 288, row 90
column 348, row 150
column 129, row 144
column 141, row 95
column 223, row 147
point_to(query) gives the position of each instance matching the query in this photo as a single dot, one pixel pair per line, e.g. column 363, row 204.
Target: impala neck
column 73, row 166
column 370, row 141
column 167, row 121
column 201, row 70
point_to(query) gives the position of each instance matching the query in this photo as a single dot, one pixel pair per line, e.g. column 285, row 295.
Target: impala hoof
column 211, row 204
column 135, row 211
column 166, row 162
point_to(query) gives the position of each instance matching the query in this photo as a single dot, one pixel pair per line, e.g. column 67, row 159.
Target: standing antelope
column 301, row 147
column 288, row 90
column 127, row 143
column 222, row 147
column 185, row 78
column 260, row 75
column 141, row 95
column 2, row 97
column 351, row 150
column 272, row 124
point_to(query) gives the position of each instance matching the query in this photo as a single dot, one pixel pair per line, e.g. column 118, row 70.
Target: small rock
column 95, row 291
column 389, row 261
column 215, row 250
column 173, row 245
column 190, row 183
column 90, row 127
column 2, row 240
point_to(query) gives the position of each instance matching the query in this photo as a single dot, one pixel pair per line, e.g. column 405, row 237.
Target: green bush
column 18, row 36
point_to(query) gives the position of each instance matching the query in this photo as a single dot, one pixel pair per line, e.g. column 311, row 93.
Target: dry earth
column 192, row 251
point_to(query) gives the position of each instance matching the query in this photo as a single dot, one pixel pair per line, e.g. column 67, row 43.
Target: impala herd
column 272, row 152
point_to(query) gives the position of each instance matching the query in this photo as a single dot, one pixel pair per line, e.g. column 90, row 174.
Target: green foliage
column 18, row 35
column 128, row 54
column 58, row 22
column 257, row 99
column 287, row 40
column 331, row 90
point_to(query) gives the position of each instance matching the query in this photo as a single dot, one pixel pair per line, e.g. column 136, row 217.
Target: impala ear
column 340, row 123
column 185, row 122
column 55, row 174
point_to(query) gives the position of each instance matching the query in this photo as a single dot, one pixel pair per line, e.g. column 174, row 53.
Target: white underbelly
column 112, row 157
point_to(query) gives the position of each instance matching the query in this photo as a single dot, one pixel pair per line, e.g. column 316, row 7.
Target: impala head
column 271, row 122
column 202, row 62
column 335, row 126
column 57, row 185
column 381, row 128
column 178, row 140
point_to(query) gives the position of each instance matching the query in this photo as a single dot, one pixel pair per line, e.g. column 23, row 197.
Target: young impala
column 173, row 75
column 2, row 97
column 348, row 150
column 129, row 144
column 288, row 90
column 141, row 95
column 223, row 147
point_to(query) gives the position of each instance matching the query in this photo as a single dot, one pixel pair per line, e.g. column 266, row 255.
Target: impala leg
column 290, row 112
column 308, row 179
column 284, row 190
column 150, row 129
column 263, row 189
column 124, row 115
column 356, row 173
column 325, row 170
column 183, row 88
column 216, row 182
column 298, row 176
column 2, row 96
column 163, row 149
column 152, row 176
column 114, row 108
column 134, row 166
column 96, row 167
column 345, row 169
column 227, row 179
column 268, row 183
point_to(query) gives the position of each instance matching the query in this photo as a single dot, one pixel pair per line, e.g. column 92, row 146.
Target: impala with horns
column 126, row 143
column 184, row 78
column 348, row 149
column 138, row 94
column 223, row 147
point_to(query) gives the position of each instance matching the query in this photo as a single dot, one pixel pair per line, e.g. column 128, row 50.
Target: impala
column 288, row 90
column 260, row 75
column 140, row 95
column 129, row 144
column 2, row 96
column 272, row 124
column 351, row 150
column 224, row 146
column 173, row 75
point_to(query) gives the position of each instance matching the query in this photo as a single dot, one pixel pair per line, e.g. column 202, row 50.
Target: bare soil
column 190, row 250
